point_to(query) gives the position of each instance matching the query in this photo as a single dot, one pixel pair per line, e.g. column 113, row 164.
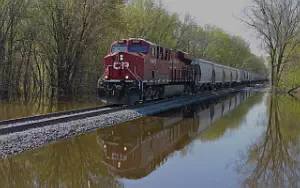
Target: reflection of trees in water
column 231, row 121
column 73, row 163
column 13, row 175
column 272, row 161
column 15, row 109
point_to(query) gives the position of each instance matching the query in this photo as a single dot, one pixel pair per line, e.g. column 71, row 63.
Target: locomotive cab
column 125, row 60
column 124, row 69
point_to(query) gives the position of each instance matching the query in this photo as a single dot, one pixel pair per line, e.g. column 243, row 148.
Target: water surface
column 249, row 139
column 19, row 109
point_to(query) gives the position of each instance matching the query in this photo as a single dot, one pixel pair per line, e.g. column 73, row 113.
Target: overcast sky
column 219, row 13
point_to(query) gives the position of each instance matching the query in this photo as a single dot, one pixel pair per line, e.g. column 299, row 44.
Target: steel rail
column 26, row 123
column 50, row 115
column 22, row 124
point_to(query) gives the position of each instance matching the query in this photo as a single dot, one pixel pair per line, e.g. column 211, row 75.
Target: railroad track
column 22, row 124
column 26, row 123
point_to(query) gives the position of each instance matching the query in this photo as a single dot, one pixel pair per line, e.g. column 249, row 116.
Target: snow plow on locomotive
column 136, row 70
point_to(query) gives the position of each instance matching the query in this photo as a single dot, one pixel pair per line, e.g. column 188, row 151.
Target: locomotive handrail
column 141, row 84
column 135, row 75
column 101, row 78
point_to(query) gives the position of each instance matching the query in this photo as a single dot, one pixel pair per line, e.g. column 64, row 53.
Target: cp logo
column 121, row 65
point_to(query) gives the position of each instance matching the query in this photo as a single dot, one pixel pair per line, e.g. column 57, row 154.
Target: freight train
column 135, row 149
column 136, row 70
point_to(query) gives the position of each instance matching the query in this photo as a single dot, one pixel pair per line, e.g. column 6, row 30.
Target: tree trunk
column 64, row 85
column 272, row 74
column 3, row 80
column 293, row 89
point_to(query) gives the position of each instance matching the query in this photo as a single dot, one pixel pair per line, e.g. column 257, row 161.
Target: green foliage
column 256, row 64
column 290, row 79
column 57, row 46
column 145, row 19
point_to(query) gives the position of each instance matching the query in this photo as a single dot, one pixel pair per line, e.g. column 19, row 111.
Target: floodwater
column 249, row 139
column 16, row 109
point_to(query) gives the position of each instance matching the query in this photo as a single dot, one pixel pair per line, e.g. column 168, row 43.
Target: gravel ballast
column 15, row 143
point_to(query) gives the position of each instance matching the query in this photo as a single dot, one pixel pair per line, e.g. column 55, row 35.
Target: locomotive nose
column 124, row 66
column 119, row 67
column 120, row 62
column 119, row 56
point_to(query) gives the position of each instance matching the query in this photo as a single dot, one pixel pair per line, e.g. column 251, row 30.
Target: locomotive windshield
column 138, row 48
column 130, row 48
column 118, row 48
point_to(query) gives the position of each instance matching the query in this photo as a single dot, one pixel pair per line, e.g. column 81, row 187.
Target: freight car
column 136, row 70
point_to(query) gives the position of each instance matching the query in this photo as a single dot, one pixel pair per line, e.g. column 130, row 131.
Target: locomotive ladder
column 141, row 84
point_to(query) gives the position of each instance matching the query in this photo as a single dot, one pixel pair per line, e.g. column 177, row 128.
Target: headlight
column 125, row 148
column 126, row 77
column 105, row 146
column 106, row 77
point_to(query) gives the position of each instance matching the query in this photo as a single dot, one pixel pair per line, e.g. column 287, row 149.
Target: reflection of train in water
column 135, row 149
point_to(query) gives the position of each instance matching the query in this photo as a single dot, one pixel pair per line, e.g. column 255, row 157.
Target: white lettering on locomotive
column 121, row 65
column 153, row 61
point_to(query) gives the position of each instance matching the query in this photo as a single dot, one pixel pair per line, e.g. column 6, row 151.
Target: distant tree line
column 54, row 48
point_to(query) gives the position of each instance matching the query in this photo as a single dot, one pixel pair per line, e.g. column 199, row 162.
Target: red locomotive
column 138, row 70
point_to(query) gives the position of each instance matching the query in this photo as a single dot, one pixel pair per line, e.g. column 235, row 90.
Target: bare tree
column 277, row 23
column 11, row 14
